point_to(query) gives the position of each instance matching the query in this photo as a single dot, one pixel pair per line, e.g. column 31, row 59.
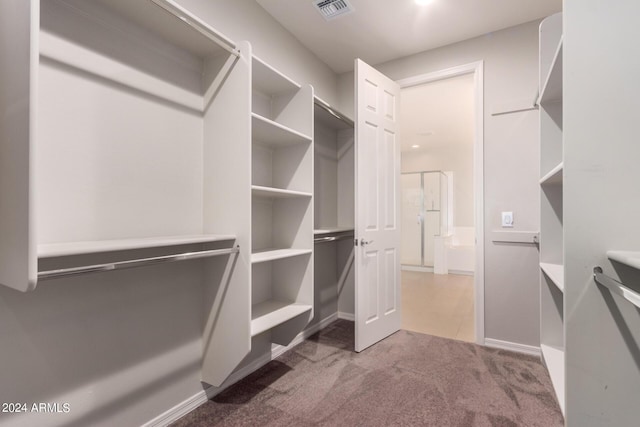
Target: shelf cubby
column 555, row 272
column 552, row 89
column 554, row 360
column 278, row 98
column 287, row 167
column 282, row 289
column 554, row 176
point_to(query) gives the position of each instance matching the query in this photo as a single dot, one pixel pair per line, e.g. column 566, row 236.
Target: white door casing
column 377, row 216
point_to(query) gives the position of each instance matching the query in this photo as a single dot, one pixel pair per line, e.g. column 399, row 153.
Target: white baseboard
column 278, row 350
column 200, row 398
column 512, row 346
column 461, row 272
column 417, row 268
column 179, row 411
column 346, row 316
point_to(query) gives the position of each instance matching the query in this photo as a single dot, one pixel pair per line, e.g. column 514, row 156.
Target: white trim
column 459, row 70
column 179, row 411
column 416, row 268
column 512, row 346
column 200, row 398
column 461, row 272
column 477, row 68
column 346, row 316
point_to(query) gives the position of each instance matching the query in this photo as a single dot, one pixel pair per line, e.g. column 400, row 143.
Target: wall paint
column 601, row 208
column 270, row 41
column 511, row 166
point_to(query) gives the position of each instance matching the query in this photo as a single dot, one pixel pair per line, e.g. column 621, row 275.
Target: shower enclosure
column 426, row 214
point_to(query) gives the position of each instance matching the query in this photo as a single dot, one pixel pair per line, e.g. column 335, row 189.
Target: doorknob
column 365, row 242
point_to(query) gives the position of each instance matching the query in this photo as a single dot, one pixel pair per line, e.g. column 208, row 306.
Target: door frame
column 477, row 69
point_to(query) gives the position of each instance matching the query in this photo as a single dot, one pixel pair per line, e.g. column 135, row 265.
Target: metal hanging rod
column 332, row 238
column 198, row 26
column 338, row 115
column 616, row 287
column 142, row 262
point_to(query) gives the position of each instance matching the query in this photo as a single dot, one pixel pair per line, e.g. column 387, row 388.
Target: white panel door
column 377, row 207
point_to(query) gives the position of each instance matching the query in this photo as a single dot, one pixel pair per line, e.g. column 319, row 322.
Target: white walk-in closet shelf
column 102, row 130
column 281, row 204
column 552, row 302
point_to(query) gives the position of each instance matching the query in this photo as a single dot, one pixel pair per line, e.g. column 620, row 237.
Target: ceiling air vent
column 331, row 9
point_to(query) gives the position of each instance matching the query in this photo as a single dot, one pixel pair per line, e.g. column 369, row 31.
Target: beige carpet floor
column 408, row 379
column 440, row 305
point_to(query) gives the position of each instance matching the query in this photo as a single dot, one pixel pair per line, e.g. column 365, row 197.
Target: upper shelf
column 80, row 248
column 274, row 134
column 164, row 18
column 552, row 89
column 554, row 176
column 630, row 258
column 270, row 81
column 277, row 193
column 555, row 272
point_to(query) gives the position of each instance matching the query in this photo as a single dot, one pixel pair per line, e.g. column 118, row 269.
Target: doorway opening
column 441, row 205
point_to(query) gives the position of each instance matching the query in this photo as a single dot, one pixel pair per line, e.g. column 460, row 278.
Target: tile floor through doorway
column 440, row 305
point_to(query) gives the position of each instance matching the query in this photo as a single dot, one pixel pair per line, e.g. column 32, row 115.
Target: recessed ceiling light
column 423, row 2
column 415, row 146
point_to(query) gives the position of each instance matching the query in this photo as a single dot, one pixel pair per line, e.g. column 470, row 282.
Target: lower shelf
column 554, row 359
column 269, row 314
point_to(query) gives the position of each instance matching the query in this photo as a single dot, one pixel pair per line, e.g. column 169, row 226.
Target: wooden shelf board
column 555, row 272
column 277, row 193
column 554, row 359
column 50, row 250
column 269, row 314
column 552, row 90
column 274, row 134
column 270, row 81
column 630, row 258
column 331, row 230
column 554, row 176
column 274, row 254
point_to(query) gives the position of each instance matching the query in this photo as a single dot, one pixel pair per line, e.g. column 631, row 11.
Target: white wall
column 511, row 166
column 247, row 20
column 601, row 209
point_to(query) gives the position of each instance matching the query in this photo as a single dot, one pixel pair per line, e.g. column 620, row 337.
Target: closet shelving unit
column 281, row 204
column 552, row 328
column 105, row 147
column 334, row 206
column 116, row 117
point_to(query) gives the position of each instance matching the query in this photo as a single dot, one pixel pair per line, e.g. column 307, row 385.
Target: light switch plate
column 507, row 219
